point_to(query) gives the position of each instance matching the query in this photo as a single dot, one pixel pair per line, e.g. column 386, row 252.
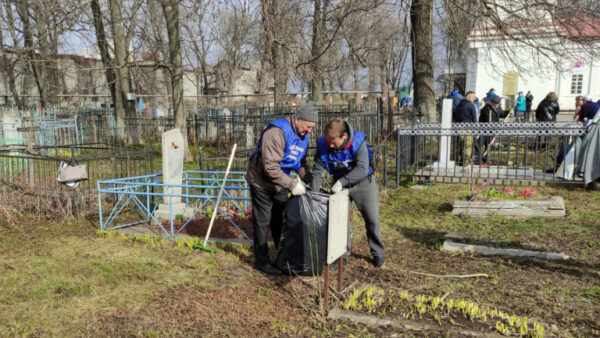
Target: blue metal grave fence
column 141, row 195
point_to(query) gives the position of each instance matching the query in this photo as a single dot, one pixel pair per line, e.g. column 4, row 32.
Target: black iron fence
column 243, row 125
column 33, row 174
column 385, row 161
column 543, row 152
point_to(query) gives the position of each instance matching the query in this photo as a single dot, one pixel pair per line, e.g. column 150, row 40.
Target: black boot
column 378, row 261
column 268, row 269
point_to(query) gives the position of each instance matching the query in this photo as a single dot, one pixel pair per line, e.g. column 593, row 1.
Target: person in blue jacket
column 344, row 153
column 281, row 150
column 520, row 107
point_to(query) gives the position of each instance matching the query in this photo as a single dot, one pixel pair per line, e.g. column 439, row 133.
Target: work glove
column 337, row 187
column 298, row 189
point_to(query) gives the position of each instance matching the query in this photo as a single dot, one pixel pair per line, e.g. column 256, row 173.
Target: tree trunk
column 7, row 65
column 171, row 12
column 103, row 48
column 355, row 73
column 123, row 108
column 46, row 51
column 39, row 71
column 422, row 52
column 317, row 42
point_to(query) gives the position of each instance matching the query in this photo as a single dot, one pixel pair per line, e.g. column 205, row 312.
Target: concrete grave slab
column 552, row 207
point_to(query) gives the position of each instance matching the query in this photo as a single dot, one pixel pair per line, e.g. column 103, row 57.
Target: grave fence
column 496, row 152
column 34, row 174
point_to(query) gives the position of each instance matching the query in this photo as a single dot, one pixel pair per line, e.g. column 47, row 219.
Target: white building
column 509, row 65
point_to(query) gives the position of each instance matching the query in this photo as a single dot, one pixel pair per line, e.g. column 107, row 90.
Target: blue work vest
column 295, row 146
column 340, row 163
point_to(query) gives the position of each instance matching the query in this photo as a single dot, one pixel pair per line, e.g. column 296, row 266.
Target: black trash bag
column 303, row 247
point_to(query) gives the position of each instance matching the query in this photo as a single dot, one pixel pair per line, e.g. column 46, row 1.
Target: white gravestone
column 172, row 158
column 337, row 227
column 444, row 163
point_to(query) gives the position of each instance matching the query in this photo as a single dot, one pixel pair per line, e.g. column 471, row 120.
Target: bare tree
column 123, row 106
column 9, row 61
column 199, row 39
column 234, row 30
column 103, row 47
column 422, row 57
column 39, row 70
column 281, row 22
column 117, row 68
column 171, row 13
column 544, row 31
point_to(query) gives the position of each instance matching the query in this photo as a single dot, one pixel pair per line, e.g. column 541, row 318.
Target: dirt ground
column 222, row 228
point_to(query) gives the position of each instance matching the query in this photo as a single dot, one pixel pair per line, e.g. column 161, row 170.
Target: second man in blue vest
column 344, row 153
column 281, row 149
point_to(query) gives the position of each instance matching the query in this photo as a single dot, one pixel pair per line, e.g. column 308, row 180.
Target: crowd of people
column 468, row 108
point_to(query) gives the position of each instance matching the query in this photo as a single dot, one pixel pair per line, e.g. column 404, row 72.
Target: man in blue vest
column 281, row 149
column 344, row 153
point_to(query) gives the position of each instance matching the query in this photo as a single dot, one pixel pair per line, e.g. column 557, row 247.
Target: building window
column 576, row 83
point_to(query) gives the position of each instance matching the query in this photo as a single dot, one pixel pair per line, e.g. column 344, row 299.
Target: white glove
column 298, row 189
column 337, row 187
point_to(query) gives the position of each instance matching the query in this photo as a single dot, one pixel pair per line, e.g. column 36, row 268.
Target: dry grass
column 63, row 278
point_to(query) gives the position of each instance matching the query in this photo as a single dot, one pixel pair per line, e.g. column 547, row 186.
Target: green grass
column 55, row 282
column 592, row 292
column 408, row 209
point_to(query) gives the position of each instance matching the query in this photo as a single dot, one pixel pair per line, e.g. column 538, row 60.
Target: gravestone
column 172, row 159
column 444, row 164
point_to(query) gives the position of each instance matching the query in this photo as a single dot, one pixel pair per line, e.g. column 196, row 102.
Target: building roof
column 575, row 28
column 582, row 28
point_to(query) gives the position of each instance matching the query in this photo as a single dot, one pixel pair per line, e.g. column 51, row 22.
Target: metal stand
column 326, row 283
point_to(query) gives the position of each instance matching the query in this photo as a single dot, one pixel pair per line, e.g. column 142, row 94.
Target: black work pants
column 267, row 213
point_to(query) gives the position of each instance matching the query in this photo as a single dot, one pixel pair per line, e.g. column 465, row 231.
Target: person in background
column 466, row 112
column 281, row 149
column 477, row 106
column 490, row 113
column 547, row 109
column 344, row 153
column 456, row 98
column 578, row 105
column 488, row 96
column 528, row 103
column 589, row 109
column 520, row 107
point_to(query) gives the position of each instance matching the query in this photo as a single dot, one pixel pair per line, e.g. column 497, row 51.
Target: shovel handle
column 212, row 219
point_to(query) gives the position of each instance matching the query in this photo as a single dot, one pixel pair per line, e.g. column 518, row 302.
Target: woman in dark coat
column 546, row 112
column 528, row 102
column 547, row 109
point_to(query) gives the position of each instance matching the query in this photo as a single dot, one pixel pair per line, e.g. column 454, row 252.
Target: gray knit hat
column 309, row 112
